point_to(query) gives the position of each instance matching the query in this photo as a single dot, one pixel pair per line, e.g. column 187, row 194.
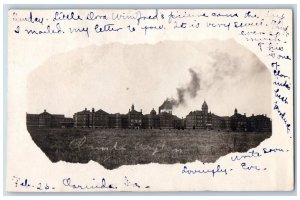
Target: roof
column 44, row 113
column 225, row 117
column 153, row 112
column 238, row 115
column 135, row 112
column 215, row 115
column 196, row 112
column 259, row 117
column 100, row 111
column 83, row 112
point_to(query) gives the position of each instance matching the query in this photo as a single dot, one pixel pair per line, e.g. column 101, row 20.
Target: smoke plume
column 190, row 89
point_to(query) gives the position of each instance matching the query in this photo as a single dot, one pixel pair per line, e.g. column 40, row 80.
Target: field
column 116, row 147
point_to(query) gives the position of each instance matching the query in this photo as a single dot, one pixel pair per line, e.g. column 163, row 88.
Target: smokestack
column 191, row 89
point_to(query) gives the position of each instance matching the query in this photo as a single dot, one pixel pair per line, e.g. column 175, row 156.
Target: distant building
column 216, row 122
column 151, row 121
column 238, row 122
column 47, row 120
column 225, row 123
column 202, row 119
column 82, row 119
column 99, row 119
column 199, row 119
column 67, row 122
column 134, row 118
column 259, row 123
column 166, row 120
column 32, row 120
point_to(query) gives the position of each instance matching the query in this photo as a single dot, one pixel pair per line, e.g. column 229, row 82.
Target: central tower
column 204, row 107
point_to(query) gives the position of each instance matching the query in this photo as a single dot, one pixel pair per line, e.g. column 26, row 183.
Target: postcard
column 108, row 100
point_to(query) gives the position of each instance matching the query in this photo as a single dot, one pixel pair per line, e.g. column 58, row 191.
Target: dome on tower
column 235, row 111
column 204, row 105
column 153, row 112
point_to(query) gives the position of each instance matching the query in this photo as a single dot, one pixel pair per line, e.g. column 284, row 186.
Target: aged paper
column 150, row 100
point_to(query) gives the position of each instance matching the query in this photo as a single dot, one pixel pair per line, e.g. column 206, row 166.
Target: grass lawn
column 116, row 147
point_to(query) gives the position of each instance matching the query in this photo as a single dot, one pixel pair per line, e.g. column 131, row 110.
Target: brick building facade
column 47, row 120
column 199, row 119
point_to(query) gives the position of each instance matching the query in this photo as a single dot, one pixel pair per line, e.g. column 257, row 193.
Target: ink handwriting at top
column 61, row 16
column 48, row 31
column 80, row 30
column 219, row 14
column 151, row 27
column 140, row 17
column 162, row 19
column 92, row 16
column 106, row 28
column 175, row 16
column 249, row 14
column 32, row 19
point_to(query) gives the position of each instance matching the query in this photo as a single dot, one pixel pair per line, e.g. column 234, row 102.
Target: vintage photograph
column 169, row 102
column 150, row 100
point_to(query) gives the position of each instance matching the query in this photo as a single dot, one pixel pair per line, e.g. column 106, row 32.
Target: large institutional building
column 164, row 119
column 47, row 120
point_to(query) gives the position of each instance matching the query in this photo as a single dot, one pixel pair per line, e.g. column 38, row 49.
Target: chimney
column 245, row 114
column 93, row 110
column 159, row 110
column 141, row 110
column 44, row 110
column 85, row 109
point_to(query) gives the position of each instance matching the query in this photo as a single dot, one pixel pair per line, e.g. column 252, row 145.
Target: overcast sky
column 112, row 77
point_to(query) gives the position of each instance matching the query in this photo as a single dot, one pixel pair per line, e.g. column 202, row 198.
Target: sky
column 112, row 77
